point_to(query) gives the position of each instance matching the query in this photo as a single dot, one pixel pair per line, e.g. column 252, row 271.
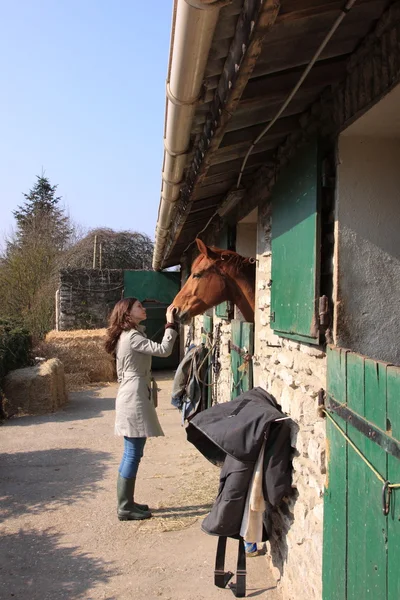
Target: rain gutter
column 193, row 27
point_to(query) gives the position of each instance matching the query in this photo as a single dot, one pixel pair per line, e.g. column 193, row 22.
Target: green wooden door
column 206, row 335
column 242, row 347
column 361, row 545
column 156, row 291
column 295, row 248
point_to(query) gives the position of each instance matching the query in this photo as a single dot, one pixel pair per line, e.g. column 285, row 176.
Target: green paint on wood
column 151, row 285
column 359, row 540
column 336, row 375
column 236, row 337
column 207, row 329
column 295, row 247
column 357, row 482
column 243, row 338
column 375, row 584
column 393, row 519
column 334, row 580
column 156, row 290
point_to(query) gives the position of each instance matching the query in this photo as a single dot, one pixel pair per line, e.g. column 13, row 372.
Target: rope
column 360, row 454
column 210, row 349
column 244, row 373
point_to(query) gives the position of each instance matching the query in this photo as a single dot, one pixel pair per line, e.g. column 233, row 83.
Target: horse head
column 217, row 275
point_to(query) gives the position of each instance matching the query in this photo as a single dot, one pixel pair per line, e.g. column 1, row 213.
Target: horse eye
column 196, row 275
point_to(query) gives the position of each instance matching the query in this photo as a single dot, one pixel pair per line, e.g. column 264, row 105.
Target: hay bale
column 35, row 390
column 82, row 353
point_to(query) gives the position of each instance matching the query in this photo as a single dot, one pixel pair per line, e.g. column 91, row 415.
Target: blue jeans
column 133, row 452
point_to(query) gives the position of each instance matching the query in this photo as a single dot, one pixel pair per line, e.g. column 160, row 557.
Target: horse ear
column 203, row 249
column 211, row 253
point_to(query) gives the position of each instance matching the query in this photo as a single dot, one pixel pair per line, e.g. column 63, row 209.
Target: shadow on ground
column 44, row 480
column 175, row 512
column 38, row 567
column 86, row 404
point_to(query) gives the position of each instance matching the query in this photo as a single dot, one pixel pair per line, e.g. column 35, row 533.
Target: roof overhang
column 232, row 66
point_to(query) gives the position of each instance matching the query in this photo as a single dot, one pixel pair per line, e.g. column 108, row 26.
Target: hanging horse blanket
column 232, row 434
column 187, row 389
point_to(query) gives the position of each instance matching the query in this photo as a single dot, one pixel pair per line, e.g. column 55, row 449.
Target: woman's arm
column 139, row 343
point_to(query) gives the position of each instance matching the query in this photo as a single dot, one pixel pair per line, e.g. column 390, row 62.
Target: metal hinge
column 324, row 313
column 272, row 317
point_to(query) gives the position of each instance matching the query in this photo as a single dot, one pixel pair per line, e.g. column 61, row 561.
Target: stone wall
column 224, row 383
column 293, row 373
column 86, row 297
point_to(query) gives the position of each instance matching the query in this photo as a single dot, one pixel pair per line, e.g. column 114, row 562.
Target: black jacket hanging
column 232, row 434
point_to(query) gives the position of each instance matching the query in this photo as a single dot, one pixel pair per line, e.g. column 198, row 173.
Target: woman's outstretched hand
column 170, row 313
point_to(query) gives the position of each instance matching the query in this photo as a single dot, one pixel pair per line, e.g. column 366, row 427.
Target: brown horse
column 217, row 275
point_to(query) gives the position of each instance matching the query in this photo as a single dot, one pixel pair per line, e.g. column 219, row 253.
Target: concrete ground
column 60, row 537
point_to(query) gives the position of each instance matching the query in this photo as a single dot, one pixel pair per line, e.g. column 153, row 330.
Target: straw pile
column 34, row 390
column 83, row 355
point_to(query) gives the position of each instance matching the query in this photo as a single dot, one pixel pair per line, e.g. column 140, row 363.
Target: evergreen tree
column 29, row 265
column 41, row 219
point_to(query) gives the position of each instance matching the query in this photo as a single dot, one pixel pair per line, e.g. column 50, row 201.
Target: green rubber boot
column 127, row 509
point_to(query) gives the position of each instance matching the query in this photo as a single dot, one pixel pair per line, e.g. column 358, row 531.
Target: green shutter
column 226, row 241
column 295, row 248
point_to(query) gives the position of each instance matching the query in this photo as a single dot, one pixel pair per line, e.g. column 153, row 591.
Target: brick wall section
column 86, row 297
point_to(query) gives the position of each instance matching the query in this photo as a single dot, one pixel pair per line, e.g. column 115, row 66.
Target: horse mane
column 233, row 259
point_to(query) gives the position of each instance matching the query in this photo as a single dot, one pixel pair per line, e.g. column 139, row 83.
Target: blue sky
column 83, row 96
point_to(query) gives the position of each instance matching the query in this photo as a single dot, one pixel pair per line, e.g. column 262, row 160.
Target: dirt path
column 60, row 538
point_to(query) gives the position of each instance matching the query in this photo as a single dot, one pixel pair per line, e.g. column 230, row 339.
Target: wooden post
column 94, row 251
column 57, row 299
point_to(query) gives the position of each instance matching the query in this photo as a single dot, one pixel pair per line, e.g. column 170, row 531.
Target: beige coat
column 135, row 413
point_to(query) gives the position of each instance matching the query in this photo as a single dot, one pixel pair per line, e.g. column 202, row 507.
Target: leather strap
column 239, row 407
column 222, row 577
column 241, row 571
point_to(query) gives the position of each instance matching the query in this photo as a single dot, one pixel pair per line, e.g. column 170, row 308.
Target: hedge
column 15, row 346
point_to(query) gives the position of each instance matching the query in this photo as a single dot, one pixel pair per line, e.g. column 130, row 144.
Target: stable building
column 282, row 142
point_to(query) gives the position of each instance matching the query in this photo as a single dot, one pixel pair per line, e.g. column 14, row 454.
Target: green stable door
column 242, row 347
column 156, row 290
column 361, row 559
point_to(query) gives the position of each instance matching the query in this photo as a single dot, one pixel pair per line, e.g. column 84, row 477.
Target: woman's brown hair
column 120, row 320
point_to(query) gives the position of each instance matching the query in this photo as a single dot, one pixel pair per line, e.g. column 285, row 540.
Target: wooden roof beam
column 291, row 11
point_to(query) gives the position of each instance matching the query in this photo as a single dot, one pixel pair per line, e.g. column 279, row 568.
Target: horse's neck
column 243, row 295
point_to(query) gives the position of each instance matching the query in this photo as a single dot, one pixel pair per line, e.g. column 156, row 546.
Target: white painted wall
column 246, row 239
column 367, row 261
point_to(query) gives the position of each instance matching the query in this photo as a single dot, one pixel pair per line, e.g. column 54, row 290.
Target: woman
column 136, row 418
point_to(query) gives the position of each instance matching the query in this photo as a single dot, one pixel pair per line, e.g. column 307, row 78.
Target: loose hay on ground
column 193, row 500
column 83, row 355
